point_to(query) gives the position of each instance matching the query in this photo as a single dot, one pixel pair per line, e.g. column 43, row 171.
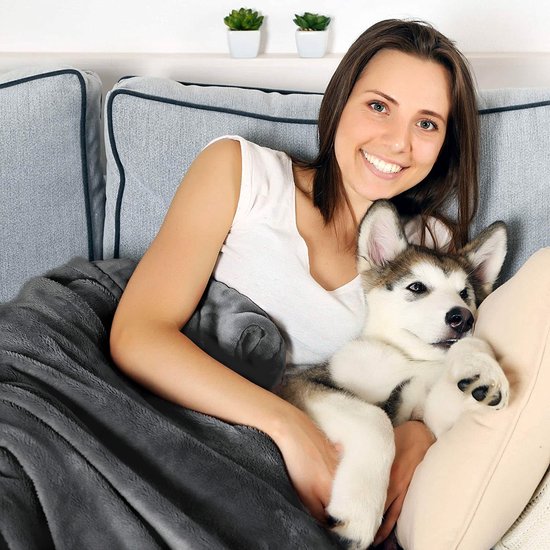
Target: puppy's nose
column 459, row 319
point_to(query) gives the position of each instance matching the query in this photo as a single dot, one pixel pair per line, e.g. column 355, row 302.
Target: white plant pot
column 243, row 43
column 311, row 43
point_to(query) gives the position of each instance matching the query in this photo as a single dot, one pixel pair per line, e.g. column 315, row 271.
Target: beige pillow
column 477, row 478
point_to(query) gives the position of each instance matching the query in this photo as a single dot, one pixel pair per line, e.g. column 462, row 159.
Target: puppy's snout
column 459, row 319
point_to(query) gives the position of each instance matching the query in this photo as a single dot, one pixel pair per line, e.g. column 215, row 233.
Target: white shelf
column 279, row 71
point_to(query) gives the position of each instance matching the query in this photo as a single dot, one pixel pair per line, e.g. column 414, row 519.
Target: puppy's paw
column 357, row 533
column 356, row 510
column 477, row 373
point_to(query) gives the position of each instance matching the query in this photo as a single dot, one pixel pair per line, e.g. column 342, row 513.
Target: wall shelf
column 279, row 71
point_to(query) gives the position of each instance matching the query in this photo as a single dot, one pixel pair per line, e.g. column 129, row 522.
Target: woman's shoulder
column 219, row 156
column 266, row 181
column 262, row 165
column 228, row 146
column 254, row 153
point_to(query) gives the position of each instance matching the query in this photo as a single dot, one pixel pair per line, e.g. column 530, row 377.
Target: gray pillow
column 234, row 330
column 154, row 129
column 51, row 181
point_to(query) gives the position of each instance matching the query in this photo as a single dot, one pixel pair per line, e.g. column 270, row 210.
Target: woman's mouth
column 381, row 167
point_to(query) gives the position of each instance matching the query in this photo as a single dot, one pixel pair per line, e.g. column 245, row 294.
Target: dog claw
column 332, row 522
column 465, row 382
column 496, row 400
column 480, row 393
column 486, row 393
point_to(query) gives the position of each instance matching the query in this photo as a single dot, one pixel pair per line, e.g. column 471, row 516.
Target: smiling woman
column 445, row 103
column 397, row 117
column 393, row 126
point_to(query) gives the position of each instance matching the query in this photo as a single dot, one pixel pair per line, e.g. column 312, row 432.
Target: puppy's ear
column 486, row 253
column 381, row 236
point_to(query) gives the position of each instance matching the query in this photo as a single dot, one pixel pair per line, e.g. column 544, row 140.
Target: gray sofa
column 57, row 203
column 91, row 177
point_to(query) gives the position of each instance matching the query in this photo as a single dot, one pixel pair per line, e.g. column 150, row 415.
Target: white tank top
column 265, row 258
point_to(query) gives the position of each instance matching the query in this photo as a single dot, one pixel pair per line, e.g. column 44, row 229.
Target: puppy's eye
column 464, row 294
column 417, row 287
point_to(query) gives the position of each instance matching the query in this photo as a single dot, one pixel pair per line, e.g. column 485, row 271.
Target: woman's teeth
column 385, row 167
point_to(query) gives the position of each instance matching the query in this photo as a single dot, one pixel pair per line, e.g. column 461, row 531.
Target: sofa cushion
column 51, row 182
column 479, row 476
column 155, row 128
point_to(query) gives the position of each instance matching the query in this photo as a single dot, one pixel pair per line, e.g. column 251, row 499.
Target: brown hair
column 454, row 174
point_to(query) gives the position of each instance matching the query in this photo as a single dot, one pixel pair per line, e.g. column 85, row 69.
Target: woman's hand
column 310, row 458
column 412, row 441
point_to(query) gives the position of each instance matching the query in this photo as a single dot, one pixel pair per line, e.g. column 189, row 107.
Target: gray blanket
column 88, row 459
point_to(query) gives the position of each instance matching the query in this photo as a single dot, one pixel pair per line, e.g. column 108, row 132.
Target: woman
column 396, row 118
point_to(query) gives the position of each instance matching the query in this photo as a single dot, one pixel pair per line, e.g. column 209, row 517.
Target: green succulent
column 311, row 21
column 244, row 20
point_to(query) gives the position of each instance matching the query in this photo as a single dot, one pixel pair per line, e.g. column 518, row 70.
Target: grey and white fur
column 415, row 359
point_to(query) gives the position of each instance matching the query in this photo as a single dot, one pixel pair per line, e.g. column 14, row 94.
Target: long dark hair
column 454, row 173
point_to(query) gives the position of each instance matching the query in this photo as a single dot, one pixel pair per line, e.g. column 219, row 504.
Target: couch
column 90, row 460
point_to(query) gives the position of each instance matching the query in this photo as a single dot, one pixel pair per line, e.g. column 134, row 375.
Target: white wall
column 506, row 41
column 197, row 25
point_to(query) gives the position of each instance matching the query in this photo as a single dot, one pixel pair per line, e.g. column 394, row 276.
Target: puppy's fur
column 411, row 361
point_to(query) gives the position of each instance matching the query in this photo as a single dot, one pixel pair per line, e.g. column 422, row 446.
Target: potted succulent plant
column 312, row 34
column 243, row 34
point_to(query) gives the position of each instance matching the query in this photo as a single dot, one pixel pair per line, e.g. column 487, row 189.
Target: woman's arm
column 162, row 294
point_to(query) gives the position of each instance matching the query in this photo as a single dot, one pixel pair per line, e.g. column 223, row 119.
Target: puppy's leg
column 361, row 480
column 373, row 369
column 472, row 378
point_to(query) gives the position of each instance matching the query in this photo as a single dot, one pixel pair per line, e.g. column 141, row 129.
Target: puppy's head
column 423, row 299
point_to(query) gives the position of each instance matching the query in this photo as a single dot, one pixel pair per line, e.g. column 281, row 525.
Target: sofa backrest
column 55, row 204
column 155, row 127
column 515, row 169
column 51, row 182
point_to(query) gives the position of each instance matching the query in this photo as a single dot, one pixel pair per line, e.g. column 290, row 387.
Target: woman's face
column 392, row 126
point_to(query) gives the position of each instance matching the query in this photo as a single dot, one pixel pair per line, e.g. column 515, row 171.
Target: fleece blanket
column 88, row 459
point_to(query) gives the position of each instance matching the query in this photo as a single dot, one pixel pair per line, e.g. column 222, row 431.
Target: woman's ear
column 381, row 236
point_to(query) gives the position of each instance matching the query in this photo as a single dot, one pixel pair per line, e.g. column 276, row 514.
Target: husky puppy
column 412, row 360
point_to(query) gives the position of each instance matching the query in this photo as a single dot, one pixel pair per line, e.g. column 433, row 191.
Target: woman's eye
column 417, row 287
column 377, row 106
column 427, row 125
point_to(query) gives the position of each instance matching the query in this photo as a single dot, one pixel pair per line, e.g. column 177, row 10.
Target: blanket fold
column 88, row 459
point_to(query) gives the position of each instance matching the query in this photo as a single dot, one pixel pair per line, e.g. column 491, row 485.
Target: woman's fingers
column 311, row 461
column 333, row 454
column 412, row 440
column 315, row 507
column 390, row 519
column 315, row 495
column 339, row 449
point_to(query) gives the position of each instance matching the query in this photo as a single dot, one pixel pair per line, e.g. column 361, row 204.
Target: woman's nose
column 398, row 137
